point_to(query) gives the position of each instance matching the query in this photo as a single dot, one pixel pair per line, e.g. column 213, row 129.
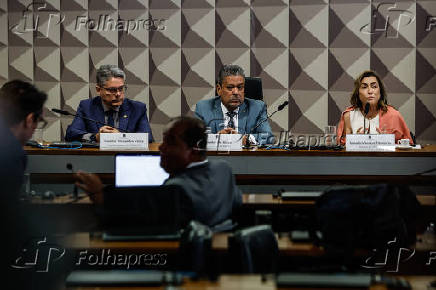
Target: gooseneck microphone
column 365, row 112
column 66, row 113
column 279, row 108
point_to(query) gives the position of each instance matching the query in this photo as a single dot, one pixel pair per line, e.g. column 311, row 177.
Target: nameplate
column 370, row 142
column 124, row 141
column 224, row 142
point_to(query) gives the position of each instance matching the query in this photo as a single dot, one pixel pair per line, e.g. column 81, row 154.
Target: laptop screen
column 138, row 170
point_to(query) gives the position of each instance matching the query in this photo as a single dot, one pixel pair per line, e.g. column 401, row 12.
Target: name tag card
column 224, row 142
column 370, row 142
column 124, row 141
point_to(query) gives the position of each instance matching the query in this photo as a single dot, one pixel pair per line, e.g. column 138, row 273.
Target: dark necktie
column 231, row 123
column 110, row 118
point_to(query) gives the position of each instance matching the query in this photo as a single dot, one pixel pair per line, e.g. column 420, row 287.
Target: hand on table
column 105, row 129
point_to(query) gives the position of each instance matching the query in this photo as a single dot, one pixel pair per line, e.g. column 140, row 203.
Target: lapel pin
column 125, row 116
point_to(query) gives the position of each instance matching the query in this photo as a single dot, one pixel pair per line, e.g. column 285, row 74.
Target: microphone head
column 69, row 166
column 62, row 112
column 366, row 109
column 282, row 106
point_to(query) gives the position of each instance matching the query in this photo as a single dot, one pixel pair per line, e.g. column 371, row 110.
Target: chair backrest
column 253, row 88
column 195, row 248
column 368, row 217
column 254, row 250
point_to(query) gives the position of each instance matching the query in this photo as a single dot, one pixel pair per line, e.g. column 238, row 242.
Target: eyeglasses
column 112, row 90
column 42, row 123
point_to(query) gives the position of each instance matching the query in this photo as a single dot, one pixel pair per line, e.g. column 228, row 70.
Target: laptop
column 138, row 170
column 143, row 213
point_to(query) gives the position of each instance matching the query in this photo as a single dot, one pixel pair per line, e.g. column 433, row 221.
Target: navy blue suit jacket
column 251, row 113
column 132, row 116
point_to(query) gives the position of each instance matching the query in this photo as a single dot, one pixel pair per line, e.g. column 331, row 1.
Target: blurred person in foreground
column 24, row 232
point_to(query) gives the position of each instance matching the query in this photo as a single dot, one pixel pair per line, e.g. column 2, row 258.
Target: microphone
column 62, row 112
column 279, row 108
column 282, row 106
column 365, row 112
column 66, row 113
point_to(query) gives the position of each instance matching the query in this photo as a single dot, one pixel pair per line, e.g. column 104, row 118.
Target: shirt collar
column 195, row 164
column 224, row 109
column 107, row 108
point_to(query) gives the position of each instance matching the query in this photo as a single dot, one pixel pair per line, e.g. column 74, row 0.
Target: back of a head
column 230, row 70
column 193, row 132
column 18, row 99
column 108, row 71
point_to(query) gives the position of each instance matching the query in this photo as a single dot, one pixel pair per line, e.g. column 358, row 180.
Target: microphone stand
column 247, row 140
column 365, row 113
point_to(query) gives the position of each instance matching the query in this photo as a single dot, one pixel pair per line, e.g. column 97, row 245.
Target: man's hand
column 228, row 131
column 244, row 140
column 105, row 129
column 91, row 184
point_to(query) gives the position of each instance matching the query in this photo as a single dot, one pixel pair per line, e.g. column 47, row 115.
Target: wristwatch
column 93, row 138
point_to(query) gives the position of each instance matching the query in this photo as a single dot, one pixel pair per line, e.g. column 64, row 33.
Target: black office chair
column 253, row 88
column 195, row 248
column 254, row 250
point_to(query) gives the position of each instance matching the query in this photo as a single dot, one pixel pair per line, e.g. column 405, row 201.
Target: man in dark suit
column 231, row 112
column 209, row 189
column 111, row 108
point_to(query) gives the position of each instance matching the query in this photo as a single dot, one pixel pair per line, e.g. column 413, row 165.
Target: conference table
column 255, row 282
column 259, row 166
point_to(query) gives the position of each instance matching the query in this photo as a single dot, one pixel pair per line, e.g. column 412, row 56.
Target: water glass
column 38, row 136
column 330, row 136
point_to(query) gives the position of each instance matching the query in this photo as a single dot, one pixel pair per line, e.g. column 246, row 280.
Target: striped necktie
column 231, row 123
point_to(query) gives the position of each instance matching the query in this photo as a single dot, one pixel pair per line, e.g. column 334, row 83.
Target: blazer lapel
column 123, row 116
column 99, row 112
column 217, row 115
column 242, row 118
